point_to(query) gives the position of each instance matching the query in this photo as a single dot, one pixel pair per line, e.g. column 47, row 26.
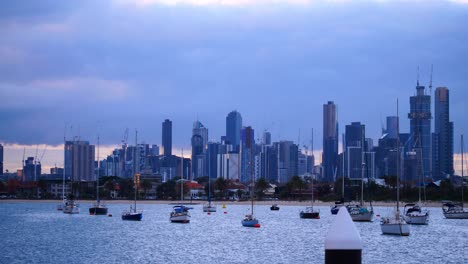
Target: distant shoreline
column 279, row 202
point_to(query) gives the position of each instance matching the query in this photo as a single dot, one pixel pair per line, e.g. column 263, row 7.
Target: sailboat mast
column 463, row 161
column 97, row 176
column 398, row 160
column 251, row 180
column 136, row 168
column 312, row 178
column 64, row 151
column 342, row 173
column 182, row 178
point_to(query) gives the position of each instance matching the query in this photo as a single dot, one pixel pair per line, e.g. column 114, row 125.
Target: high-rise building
column 228, row 166
column 330, row 141
column 31, row 170
column 287, row 160
column 213, row 149
column 199, row 142
column 247, row 153
column 154, row 150
column 392, row 127
column 354, row 149
column 1, row 159
column 167, row 138
column 443, row 135
column 79, row 161
column 266, row 140
column 233, row 128
column 420, row 129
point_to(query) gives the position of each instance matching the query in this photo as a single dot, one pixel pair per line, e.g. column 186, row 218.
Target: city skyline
column 276, row 64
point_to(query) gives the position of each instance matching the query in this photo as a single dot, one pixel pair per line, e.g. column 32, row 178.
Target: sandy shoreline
column 282, row 203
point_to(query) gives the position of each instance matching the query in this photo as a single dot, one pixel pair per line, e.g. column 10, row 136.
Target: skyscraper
column 443, row 135
column 420, row 129
column 79, row 161
column 233, row 128
column 167, row 138
column 354, row 149
column 330, row 140
column 247, row 152
column 266, row 140
column 392, row 127
column 199, row 142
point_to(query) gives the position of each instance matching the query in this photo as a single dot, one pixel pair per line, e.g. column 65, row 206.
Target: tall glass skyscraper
column 167, row 137
column 247, row 152
column 330, row 141
column 354, row 149
column 233, row 128
column 420, row 129
column 442, row 141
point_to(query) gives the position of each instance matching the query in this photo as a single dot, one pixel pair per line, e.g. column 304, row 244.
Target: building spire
column 430, row 82
column 417, row 77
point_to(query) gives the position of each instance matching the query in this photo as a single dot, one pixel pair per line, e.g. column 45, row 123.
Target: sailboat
column 209, row 207
column 250, row 220
column 180, row 213
column 310, row 212
column 456, row 210
column 413, row 212
column 133, row 214
column 338, row 204
column 98, row 208
column 396, row 224
column 359, row 213
column 71, row 206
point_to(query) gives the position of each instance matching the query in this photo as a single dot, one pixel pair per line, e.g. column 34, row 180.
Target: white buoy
column 343, row 243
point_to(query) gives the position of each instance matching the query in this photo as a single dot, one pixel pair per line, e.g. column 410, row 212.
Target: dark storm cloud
column 105, row 67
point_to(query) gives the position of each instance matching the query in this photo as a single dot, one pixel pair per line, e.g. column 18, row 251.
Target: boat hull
column 334, row 210
column 362, row 217
column 274, row 208
column 456, row 215
column 401, row 229
column 310, row 215
column 132, row 216
column 208, row 208
column 98, row 210
column 183, row 219
column 417, row 219
column 71, row 210
column 250, row 223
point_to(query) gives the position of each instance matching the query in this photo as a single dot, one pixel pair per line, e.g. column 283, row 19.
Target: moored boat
column 415, row 215
column 180, row 214
column 274, row 207
column 310, row 213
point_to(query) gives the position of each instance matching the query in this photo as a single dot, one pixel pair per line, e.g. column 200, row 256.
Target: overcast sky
column 103, row 66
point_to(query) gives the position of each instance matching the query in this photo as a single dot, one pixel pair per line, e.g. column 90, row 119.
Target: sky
column 83, row 68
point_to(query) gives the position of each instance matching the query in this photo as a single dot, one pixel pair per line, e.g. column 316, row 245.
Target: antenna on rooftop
column 430, row 82
column 417, row 77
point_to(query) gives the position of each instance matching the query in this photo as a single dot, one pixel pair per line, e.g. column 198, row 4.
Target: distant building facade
column 442, row 139
column 79, row 161
column 330, row 141
column 167, row 138
column 233, row 129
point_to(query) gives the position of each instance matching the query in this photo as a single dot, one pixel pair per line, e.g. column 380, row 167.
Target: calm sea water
column 38, row 233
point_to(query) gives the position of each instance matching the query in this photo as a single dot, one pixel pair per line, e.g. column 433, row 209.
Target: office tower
column 392, row 127
column 213, row 149
column 199, row 142
column 247, row 153
column 79, row 161
column 354, row 149
column 1, row 159
column 443, row 135
column 154, row 150
column 167, row 138
column 287, row 160
column 330, row 141
column 420, row 129
column 228, row 166
column 233, row 128
column 266, row 140
column 31, row 170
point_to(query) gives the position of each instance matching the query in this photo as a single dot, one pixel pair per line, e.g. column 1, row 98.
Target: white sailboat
column 180, row 213
column 456, row 210
column 414, row 213
column 396, row 224
column 360, row 213
column 209, row 207
column 71, row 206
column 310, row 212
column 250, row 220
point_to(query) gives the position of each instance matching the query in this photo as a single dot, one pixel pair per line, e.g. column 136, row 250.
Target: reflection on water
column 40, row 234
